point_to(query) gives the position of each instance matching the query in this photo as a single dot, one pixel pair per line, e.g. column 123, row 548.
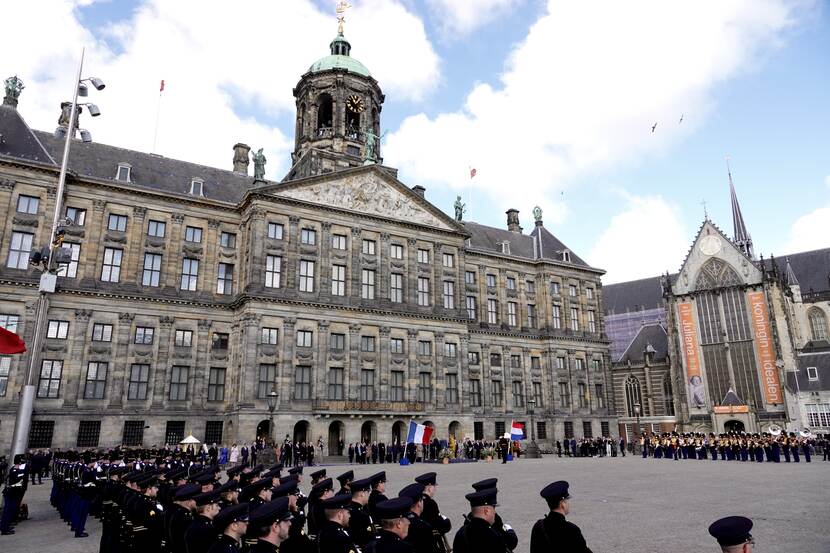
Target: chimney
column 513, row 221
column 418, row 189
column 241, row 158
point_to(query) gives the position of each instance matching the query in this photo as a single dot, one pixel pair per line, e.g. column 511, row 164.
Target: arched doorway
column 336, row 432
column 398, row 432
column 455, row 430
column 368, row 432
column 262, row 429
column 733, row 426
column 301, row 432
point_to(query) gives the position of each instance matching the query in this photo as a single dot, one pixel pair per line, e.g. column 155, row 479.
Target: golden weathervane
column 342, row 6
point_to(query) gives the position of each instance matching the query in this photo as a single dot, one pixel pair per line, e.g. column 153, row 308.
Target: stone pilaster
column 172, row 263
column 121, row 368
column 292, row 259
column 353, row 378
column 325, row 262
column 319, row 369
column 162, row 369
column 92, row 257
column 356, row 266
column 437, row 292
column 76, row 351
column 285, row 368
column 411, row 291
column 383, row 272
column 439, row 400
column 384, row 364
column 7, row 199
column 507, row 371
column 135, row 235
column 249, row 367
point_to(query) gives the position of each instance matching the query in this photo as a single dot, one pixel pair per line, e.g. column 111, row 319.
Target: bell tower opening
column 325, row 110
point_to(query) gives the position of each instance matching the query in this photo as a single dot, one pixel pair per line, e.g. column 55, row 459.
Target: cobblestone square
column 622, row 504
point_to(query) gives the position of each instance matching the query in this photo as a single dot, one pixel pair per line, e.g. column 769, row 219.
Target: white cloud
column 810, row 231
column 461, row 17
column 581, row 93
column 645, row 239
column 219, row 62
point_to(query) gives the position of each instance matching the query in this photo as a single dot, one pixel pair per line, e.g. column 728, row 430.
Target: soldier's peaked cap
column 393, row 508
column 428, row 478
column 732, row 530
column 485, row 484
column 337, row 502
column 347, row 476
column 483, row 497
column 554, row 492
column 230, row 515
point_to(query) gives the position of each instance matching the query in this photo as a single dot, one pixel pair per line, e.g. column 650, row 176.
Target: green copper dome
column 339, row 59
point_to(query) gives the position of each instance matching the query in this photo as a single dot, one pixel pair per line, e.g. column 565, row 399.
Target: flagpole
column 158, row 111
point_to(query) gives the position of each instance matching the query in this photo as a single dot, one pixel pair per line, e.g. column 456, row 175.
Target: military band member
column 232, row 522
column 361, row 523
column 420, row 532
column 440, row 524
column 508, row 535
column 333, row 536
column 733, row 534
column 554, row 533
column 395, row 527
column 270, row 524
column 378, row 490
column 201, row 534
column 477, row 535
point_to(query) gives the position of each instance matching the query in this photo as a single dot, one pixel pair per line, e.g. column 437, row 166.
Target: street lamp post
column 532, row 448
column 639, row 430
column 48, row 277
column 272, row 404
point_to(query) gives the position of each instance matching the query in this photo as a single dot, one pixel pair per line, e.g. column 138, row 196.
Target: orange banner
column 688, row 337
column 766, row 351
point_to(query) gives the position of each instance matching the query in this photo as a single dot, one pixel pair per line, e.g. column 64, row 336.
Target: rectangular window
column 497, row 393
column 306, row 276
column 224, row 279
column 450, row 350
column 396, row 386
column 123, row 173
column 9, row 322
column 478, row 430
column 554, row 288
column 818, row 414
column 530, row 287
column 812, row 373
column 89, row 433
column 76, row 215
column 111, row 269
column 396, row 251
column 499, row 429
column 117, row 222
column 605, row 429
column 144, row 335
column 273, row 270
column 216, row 384
column 572, row 290
column 174, row 433
column 96, row 380
column 133, row 433
column 560, row 362
column 219, row 341
column 335, row 383
column 50, row 378
column 475, row 392
column 515, row 361
column 423, row 256
column 423, row 291
column 449, row 295
column 266, row 379
column 57, row 329
column 583, row 394
column 338, row 280
column 269, row 336
column 101, row 332
column 190, row 274
column 193, row 234
column 156, row 228
column 600, row 394
column 304, row 338
column 518, row 394
column 587, row 431
column 574, row 319
column 308, row 236
column 70, row 270
column 213, row 432
column 535, row 363
column 469, row 277
column 396, row 288
column 592, row 324
column 473, row 358
column 589, row 293
column 556, row 316
column 424, row 387
column 184, row 338
column 302, row 382
column 596, row 364
column 275, row 231
column 368, row 247
column 397, row 345
column 227, row 239
column 542, row 430
column 511, row 313
column 452, row 388
column 367, row 385
column 569, row 429
column 495, row 360
column 337, row 342
column 537, row 394
column 151, row 275
column 367, row 284
column 511, row 283
column 492, row 312
column 448, row 260
column 471, row 308
column 424, row 348
column 40, row 434
column 137, row 384
column 367, row 344
column 178, row 383
column 579, row 364
column 491, row 281
column 531, row 315
column 564, row 395
column 338, row 241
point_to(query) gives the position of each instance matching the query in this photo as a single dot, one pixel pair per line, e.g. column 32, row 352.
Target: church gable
column 714, row 262
column 367, row 192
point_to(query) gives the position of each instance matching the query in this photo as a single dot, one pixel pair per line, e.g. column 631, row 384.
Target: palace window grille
column 425, row 387
column 424, row 348
column 600, row 393
column 569, row 429
column 396, row 386
column 818, row 324
column 133, row 435
column 565, row 395
column 216, row 384
column 89, row 432
column 137, row 384
column 478, row 430
column 606, row 431
column 40, row 434
column 515, row 361
column 337, row 342
column 174, row 433
column 214, row 431
column 473, row 358
column 335, row 383
column 475, row 392
column 538, row 396
column 818, row 415
column 50, row 378
column 587, row 430
column 367, row 344
column 219, row 341
column 495, row 360
column 531, row 315
column 96, row 380
column 498, row 427
column 518, row 394
column 267, row 378
column 397, row 345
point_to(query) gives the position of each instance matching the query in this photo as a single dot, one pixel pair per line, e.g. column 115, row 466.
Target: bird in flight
column 681, row 118
column 653, row 127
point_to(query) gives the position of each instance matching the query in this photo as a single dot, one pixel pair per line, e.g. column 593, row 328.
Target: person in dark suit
column 554, row 533
column 477, row 534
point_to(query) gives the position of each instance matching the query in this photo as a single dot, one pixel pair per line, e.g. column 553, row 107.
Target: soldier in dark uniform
column 733, row 534
column 180, row 515
column 440, row 524
column 13, row 494
column 297, row 541
column 378, row 490
column 201, row 534
column 257, row 493
column 361, row 524
column 316, row 517
column 344, row 480
column 228, row 493
column 232, row 522
column 477, row 535
column 270, row 524
column 317, row 475
column 395, row 527
column 148, row 522
column 420, row 534
column 508, row 535
column 554, row 532
column 333, row 536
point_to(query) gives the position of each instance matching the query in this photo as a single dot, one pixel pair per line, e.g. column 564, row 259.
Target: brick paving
column 621, row 504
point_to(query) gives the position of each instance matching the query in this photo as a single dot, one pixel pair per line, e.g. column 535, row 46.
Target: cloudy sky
column 552, row 102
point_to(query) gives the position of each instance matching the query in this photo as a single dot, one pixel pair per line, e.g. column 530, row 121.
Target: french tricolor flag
column 517, row 431
column 418, row 433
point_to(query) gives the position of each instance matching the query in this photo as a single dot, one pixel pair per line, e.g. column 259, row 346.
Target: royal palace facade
column 190, row 293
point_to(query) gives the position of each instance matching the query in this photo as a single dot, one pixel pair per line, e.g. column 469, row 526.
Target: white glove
column 507, row 527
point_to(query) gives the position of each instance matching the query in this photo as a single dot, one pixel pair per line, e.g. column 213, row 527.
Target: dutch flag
column 418, row 433
column 517, row 431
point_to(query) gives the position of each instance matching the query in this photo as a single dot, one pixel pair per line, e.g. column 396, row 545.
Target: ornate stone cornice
column 82, row 315
column 214, row 223
column 166, row 321
column 356, row 231
column 99, row 205
column 204, row 324
column 139, row 212
column 126, row 317
column 25, row 221
column 177, row 218
column 6, row 184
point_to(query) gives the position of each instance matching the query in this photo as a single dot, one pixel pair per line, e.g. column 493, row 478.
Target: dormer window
column 123, row 173
column 196, row 187
column 566, row 256
column 505, row 247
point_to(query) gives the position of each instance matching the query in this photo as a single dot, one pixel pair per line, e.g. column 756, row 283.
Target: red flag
column 472, row 172
column 10, row 342
column 427, row 434
column 161, row 88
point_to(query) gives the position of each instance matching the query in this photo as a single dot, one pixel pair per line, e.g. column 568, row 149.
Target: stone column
column 527, row 378
column 249, row 366
column 569, row 360
column 464, row 374
column 383, row 273
column 319, row 368
column 411, row 292
column 292, row 257
column 354, row 269
column 172, row 267
column 284, row 368
column 440, row 386
column 412, row 356
column 482, row 296
column 132, row 249
column 507, row 371
column 437, row 292
column 256, row 232
column 211, row 258
column 201, row 365
column 353, row 378
column 383, row 366
column 325, row 262
column 120, row 373
column 161, row 374
column 92, row 257
column 76, row 353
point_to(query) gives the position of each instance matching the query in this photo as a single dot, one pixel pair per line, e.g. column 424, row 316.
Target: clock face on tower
column 710, row 245
column 355, row 104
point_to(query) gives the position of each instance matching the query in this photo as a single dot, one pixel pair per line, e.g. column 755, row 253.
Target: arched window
column 325, row 109
column 668, row 395
column 632, row 395
column 818, row 324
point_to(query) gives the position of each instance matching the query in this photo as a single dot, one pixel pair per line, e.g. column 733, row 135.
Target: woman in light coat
column 234, row 456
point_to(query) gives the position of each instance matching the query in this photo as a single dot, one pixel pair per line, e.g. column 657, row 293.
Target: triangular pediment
column 367, row 191
column 714, row 262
